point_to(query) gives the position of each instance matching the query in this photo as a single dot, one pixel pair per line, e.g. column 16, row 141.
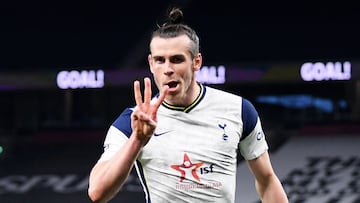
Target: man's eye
column 177, row 60
column 159, row 60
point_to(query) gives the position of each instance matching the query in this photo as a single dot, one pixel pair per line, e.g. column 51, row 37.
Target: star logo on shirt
column 187, row 166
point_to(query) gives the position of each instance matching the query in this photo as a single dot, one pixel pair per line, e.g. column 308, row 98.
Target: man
column 184, row 141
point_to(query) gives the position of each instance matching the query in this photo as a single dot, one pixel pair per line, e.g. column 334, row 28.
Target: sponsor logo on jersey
column 187, row 166
column 189, row 170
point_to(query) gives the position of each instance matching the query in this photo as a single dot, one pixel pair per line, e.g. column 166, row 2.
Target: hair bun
column 175, row 16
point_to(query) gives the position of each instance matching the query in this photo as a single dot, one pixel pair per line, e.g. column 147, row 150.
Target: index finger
column 161, row 97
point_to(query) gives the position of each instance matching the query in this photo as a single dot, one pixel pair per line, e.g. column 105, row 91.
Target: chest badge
column 225, row 136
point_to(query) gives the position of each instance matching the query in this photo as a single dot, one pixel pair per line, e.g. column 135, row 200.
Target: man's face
column 172, row 65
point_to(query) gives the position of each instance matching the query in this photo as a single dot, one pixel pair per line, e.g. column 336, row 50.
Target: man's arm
column 268, row 186
column 107, row 177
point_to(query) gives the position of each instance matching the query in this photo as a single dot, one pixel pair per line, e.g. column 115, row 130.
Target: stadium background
column 51, row 137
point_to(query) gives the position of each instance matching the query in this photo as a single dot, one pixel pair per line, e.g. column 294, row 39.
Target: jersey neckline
column 187, row 109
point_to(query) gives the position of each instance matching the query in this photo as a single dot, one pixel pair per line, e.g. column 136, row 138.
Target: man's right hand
column 144, row 116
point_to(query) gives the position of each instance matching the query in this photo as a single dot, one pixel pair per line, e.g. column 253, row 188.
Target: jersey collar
column 187, row 109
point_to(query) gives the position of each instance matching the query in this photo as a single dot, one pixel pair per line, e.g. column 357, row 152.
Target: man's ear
column 197, row 62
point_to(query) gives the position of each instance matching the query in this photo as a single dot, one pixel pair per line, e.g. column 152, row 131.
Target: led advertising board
column 85, row 78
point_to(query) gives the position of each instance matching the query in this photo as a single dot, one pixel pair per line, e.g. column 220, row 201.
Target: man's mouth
column 172, row 84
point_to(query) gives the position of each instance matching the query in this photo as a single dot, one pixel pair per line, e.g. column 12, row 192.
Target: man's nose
column 168, row 69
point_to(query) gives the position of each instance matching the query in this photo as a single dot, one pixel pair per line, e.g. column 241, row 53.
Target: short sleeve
column 114, row 140
column 117, row 135
column 253, row 142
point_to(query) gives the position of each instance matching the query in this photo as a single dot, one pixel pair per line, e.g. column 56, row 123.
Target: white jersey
column 192, row 156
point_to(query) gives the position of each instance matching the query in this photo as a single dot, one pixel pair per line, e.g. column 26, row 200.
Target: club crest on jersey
column 225, row 136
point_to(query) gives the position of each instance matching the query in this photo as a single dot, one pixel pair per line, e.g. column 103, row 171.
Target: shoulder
column 248, row 107
column 249, row 114
column 225, row 96
column 220, row 94
column 123, row 121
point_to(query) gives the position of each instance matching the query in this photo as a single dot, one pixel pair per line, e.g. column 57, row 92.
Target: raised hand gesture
column 144, row 116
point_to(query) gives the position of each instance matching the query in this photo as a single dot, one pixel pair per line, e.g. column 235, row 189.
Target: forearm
column 271, row 191
column 107, row 177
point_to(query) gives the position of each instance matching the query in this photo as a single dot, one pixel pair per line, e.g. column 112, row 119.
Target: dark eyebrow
column 172, row 56
column 178, row 56
column 155, row 57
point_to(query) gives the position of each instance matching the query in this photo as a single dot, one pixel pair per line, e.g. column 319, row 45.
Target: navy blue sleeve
column 249, row 117
column 123, row 122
